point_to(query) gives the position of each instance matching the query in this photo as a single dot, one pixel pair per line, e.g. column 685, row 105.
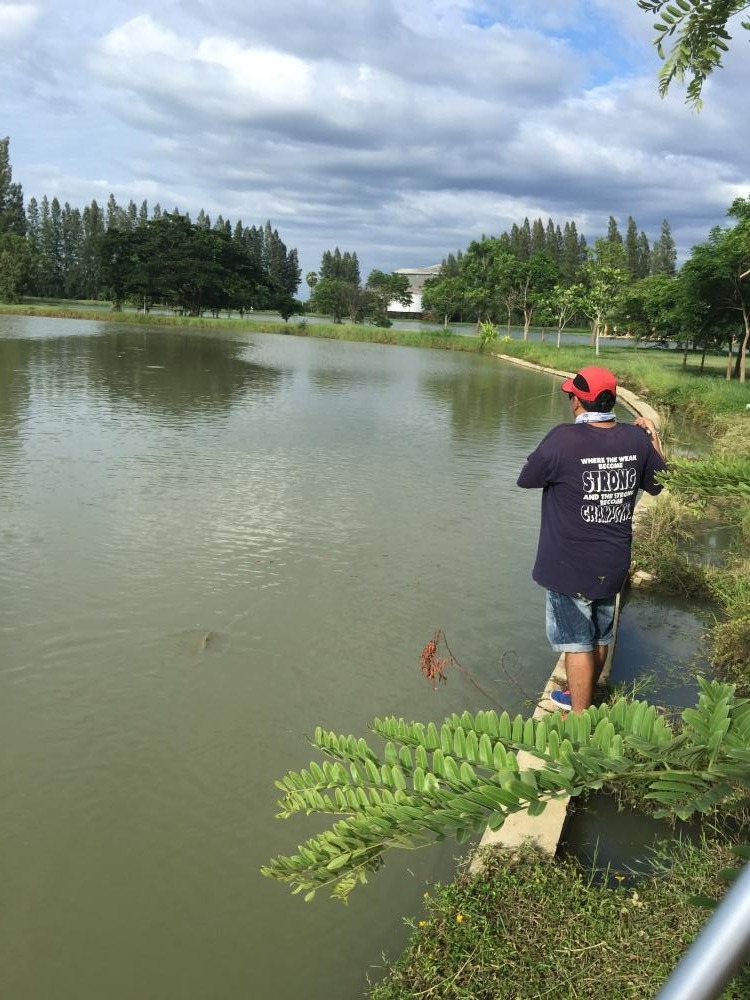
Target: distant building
column 418, row 277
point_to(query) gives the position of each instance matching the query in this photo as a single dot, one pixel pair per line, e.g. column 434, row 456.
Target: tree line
column 547, row 276
column 130, row 254
column 534, row 274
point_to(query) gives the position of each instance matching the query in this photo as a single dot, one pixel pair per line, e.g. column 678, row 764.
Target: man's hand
column 650, row 428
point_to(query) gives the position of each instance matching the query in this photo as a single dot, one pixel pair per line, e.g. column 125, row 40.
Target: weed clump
column 530, row 927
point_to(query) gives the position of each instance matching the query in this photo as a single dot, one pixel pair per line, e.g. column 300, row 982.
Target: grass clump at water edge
column 717, row 486
column 531, row 927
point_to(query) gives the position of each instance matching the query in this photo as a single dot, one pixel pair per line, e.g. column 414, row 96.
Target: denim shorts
column 576, row 625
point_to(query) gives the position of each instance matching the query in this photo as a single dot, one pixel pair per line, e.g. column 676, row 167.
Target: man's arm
column 655, row 462
column 537, row 472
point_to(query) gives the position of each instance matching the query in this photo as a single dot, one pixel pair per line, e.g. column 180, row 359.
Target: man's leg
column 600, row 658
column 583, row 671
column 578, row 623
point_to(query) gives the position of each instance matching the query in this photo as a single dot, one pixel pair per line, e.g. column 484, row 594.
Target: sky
column 397, row 129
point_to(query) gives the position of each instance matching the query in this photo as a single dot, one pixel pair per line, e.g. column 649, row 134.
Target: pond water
column 213, row 543
column 660, row 650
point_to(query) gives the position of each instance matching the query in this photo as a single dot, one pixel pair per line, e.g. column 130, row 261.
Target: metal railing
column 718, row 952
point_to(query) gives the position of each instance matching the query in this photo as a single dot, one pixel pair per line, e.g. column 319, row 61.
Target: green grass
column 531, row 927
column 658, row 549
column 64, row 309
column 655, row 374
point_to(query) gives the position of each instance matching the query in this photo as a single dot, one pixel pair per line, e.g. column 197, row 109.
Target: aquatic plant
column 488, row 333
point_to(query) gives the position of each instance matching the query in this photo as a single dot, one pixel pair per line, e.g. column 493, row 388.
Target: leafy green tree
column 337, row 265
column 192, row 269
column 222, row 225
column 33, row 237
column 604, row 275
column 281, row 267
column 131, row 215
column 534, row 281
column 451, row 265
column 613, row 232
column 384, row 289
column 488, row 273
column 653, row 308
column 332, row 297
column 632, row 259
column 538, row 237
column 563, row 302
column 430, row 782
column 573, row 254
column 92, row 222
column 553, row 242
column 520, row 240
column 644, row 256
column 705, row 324
column 115, row 217
column 444, row 297
column 72, row 246
column 697, row 30
column 718, row 274
column 51, row 270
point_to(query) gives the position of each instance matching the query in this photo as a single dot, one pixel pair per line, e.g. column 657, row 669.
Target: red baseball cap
column 589, row 382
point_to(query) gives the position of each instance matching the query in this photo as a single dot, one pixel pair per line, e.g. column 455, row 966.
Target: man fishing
column 590, row 473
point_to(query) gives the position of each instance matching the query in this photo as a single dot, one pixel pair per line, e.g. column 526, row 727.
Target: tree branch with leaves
column 697, row 31
column 430, row 782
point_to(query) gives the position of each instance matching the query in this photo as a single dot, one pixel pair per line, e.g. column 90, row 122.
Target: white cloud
column 16, row 22
column 216, row 76
column 411, row 124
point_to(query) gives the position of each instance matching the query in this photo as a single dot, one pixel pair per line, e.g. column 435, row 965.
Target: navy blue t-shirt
column 590, row 477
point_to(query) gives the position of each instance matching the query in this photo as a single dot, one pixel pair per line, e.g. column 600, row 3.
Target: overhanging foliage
column 710, row 479
column 699, row 30
column 429, row 783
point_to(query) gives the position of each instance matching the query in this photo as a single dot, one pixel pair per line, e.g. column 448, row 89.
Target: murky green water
column 209, row 546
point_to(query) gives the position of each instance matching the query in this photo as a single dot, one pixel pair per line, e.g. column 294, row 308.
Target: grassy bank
column 659, row 548
column 437, row 338
column 530, row 927
column 655, row 374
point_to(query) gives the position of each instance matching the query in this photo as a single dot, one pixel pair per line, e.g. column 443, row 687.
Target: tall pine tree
column 12, row 215
column 664, row 252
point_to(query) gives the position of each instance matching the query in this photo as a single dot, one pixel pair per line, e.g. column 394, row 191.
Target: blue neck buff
column 594, row 418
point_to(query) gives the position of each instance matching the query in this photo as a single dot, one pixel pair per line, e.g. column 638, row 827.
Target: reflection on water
column 172, row 374
column 711, row 543
column 212, row 544
column 659, row 647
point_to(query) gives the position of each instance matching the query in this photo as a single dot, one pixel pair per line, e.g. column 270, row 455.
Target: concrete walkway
column 545, row 830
